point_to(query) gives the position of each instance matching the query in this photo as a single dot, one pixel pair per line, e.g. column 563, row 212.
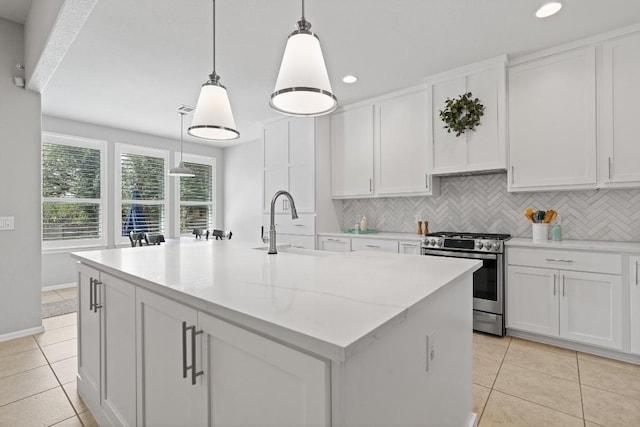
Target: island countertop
column 323, row 302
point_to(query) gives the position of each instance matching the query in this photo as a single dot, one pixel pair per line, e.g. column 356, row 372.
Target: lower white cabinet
column 197, row 370
column 379, row 245
column 583, row 307
column 250, row 380
column 334, row 244
column 106, row 354
column 409, row 247
column 634, row 301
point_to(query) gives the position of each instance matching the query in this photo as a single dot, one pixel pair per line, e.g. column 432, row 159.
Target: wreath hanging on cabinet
column 461, row 114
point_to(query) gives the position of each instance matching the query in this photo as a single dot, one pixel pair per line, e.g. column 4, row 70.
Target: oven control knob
column 479, row 245
column 439, row 242
column 432, row 242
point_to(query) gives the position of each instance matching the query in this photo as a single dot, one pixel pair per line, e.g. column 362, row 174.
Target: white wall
column 19, row 192
column 57, row 266
column 243, row 190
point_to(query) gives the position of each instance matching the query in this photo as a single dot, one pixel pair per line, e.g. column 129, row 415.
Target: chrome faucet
column 272, row 219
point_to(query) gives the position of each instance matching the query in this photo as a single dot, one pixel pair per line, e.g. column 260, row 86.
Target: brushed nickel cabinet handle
column 563, row 287
column 194, row 374
column 513, row 174
column 636, row 273
column 185, row 368
column 609, row 164
column 91, row 294
column 558, row 260
column 370, row 185
column 372, row 246
column 96, row 306
column 554, row 285
column 426, row 180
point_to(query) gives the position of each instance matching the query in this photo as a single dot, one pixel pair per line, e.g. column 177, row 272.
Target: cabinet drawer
column 305, row 225
column 334, row 244
column 374, row 245
column 566, row 260
column 300, row 242
column 409, row 247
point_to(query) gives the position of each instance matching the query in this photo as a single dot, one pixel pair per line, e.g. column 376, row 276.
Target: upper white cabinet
column 483, row 149
column 634, row 301
column 289, row 163
column 400, row 149
column 618, row 96
column 552, row 122
column 380, row 149
column 352, row 152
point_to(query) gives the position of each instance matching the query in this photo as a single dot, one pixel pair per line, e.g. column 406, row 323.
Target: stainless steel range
column 488, row 282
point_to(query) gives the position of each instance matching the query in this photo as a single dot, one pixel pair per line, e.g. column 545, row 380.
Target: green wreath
column 461, row 114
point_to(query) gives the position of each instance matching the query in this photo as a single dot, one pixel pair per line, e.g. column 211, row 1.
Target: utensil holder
column 540, row 231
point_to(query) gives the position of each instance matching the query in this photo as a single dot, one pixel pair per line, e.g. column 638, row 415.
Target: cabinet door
column 301, row 164
column 255, row 381
column 449, row 152
column 552, row 122
column 334, row 244
column 634, row 301
column 301, row 187
column 88, row 336
column 276, row 144
column 402, row 149
column 164, row 396
column 619, row 111
column 532, row 300
column 591, row 308
column 352, row 152
column 301, row 140
column 274, row 181
column 119, row 355
column 378, row 245
column 409, row 247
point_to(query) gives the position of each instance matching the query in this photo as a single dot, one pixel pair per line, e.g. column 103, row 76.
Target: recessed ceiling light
column 548, row 9
column 350, row 78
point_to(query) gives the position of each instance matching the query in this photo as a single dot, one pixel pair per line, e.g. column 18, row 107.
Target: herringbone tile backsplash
column 481, row 203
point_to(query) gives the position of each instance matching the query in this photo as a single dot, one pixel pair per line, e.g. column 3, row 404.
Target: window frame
column 119, row 150
column 94, row 144
column 204, row 160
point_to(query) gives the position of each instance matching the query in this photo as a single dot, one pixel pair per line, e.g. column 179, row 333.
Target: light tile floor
column 37, row 378
column 523, row 383
column 516, row 383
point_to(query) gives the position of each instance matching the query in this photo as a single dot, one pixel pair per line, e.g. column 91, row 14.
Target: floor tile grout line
column 26, row 370
column 27, row 397
column 610, row 392
column 537, row 404
column 584, row 419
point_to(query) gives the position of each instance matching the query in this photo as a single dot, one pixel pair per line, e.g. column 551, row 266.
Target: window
column 73, row 192
column 141, row 191
column 196, row 195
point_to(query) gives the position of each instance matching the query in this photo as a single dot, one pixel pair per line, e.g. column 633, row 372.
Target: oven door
column 488, row 281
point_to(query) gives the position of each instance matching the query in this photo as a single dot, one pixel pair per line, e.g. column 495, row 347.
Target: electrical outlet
column 9, row 223
column 431, row 351
column 2, row 223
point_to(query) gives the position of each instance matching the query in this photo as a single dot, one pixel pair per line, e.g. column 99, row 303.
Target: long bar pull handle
column 554, row 285
column 558, row 260
column 563, row 287
column 91, row 294
column 185, row 368
column 513, row 174
column 609, row 164
column 194, row 374
column 636, row 273
column 370, row 185
column 96, row 306
column 426, row 180
column 372, row 246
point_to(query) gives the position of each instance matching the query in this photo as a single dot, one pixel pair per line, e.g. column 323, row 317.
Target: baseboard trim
column 584, row 348
column 60, row 286
column 22, row 333
column 473, row 420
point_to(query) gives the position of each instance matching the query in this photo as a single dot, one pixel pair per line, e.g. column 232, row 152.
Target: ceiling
column 134, row 62
column 15, row 10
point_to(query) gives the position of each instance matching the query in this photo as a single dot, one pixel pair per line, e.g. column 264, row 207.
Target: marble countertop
column 580, row 245
column 323, row 302
column 380, row 235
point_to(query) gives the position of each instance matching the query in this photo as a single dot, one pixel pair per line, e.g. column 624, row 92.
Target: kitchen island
column 221, row 333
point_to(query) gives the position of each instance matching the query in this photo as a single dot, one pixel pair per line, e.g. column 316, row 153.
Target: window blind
column 143, row 185
column 196, row 198
column 71, row 191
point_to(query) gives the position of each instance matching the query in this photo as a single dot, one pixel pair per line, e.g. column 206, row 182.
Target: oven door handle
column 457, row 254
column 485, row 317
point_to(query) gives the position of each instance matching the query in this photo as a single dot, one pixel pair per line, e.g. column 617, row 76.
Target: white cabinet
column 352, row 152
column 400, row 150
column 378, row 245
column 552, row 122
column 409, row 247
column 634, row 303
column 334, row 244
column 254, row 381
column 380, row 148
column 483, row 149
column 106, row 356
column 165, row 393
column 619, row 109
column 289, row 146
column 581, row 306
column 532, row 300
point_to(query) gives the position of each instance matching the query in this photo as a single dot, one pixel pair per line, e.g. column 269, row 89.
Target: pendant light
column 181, row 169
column 213, row 118
column 303, row 87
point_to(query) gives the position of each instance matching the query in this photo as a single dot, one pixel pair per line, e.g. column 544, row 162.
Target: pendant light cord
column 303, row 10
column 181, row 137
column 214, row 37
